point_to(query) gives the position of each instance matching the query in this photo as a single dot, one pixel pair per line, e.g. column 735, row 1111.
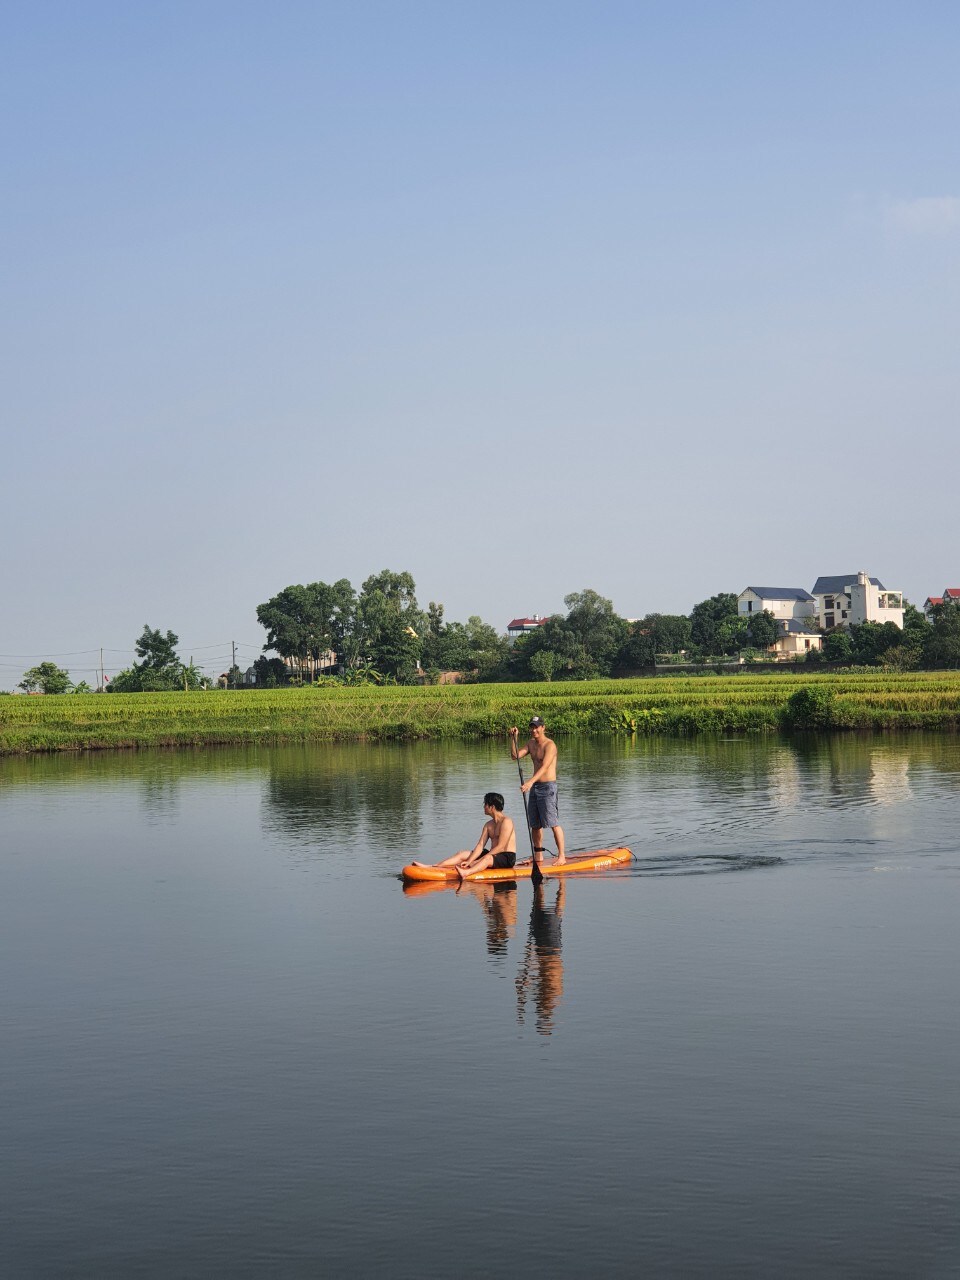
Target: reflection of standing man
column 542, row 787
column 543, row 962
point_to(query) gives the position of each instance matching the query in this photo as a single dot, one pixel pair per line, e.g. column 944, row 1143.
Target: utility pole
column 102, row 682
column 233, row 667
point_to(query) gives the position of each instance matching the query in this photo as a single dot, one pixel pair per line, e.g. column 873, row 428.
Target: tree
column 657, row 633
column 942, row 648
column 391, row 623
column 304, row 622
column 157, row 650
column 599, row 631
column 871, row 640
column 543, row 664
column 706, row 617
column 838, row 646
column 161, row 668
column 732, row 634
column 271, row 673
column 762, row 629
column 47, row 677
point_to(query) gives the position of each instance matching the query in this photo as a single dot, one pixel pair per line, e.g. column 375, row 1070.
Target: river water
column 234, row 1045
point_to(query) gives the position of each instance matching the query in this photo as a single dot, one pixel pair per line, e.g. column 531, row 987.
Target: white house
column 845, row 599
column 782, row 602
column 796, row 636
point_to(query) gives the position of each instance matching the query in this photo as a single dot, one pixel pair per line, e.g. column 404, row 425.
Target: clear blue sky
column 660, row 299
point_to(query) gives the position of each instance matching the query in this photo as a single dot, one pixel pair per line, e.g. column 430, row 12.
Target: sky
column 659, row 299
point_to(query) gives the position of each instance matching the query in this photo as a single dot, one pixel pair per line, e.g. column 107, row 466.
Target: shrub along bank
column 668, row 705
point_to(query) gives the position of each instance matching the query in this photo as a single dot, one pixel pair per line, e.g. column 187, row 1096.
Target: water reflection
column 499, row 904
column 540, row 978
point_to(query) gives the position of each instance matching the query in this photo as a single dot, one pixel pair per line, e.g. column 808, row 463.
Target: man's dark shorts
column 542, row 805
column 504, row 860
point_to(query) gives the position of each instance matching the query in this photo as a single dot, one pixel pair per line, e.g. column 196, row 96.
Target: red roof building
column 520, row 626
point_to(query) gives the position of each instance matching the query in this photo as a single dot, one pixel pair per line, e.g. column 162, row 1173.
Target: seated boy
column 498, row 832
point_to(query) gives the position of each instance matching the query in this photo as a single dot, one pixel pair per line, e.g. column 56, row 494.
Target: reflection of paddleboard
column 595, row 860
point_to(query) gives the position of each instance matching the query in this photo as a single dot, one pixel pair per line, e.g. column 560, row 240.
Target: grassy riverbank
column 671, row 705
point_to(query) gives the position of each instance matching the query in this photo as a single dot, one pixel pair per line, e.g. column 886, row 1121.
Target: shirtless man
column 498, row 831
column 542, row 787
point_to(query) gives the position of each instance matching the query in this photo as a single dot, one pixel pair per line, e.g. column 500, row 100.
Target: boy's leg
column 481, row 864
column 447, row 862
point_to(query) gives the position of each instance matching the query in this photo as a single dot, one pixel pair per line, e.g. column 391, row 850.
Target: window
column 828, row 602
column 828, row 620
column 749, row 606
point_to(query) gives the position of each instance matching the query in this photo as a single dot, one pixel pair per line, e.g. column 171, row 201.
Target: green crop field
column 670, row 705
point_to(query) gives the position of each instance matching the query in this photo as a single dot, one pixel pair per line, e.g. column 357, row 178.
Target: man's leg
column 537, row 834
column 561, row 853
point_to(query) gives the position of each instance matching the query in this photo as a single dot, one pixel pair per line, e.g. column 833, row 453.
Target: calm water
column 233, row 1045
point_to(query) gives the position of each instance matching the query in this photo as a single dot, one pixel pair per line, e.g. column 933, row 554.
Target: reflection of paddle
column 536, row 875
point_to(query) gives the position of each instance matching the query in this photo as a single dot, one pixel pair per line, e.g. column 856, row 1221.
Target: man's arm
column 514, row 753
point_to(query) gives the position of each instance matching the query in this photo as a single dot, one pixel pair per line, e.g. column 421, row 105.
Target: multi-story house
column 845, row 599
column 520, row 626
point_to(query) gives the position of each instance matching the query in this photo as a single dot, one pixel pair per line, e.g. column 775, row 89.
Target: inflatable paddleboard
column 595, row 860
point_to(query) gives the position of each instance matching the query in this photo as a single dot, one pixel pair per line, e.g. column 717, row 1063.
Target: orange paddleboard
column 595, row 860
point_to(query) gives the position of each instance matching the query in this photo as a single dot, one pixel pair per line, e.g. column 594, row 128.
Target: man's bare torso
column 544, row 756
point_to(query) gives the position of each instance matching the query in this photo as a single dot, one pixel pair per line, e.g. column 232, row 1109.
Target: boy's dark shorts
column 504, row 860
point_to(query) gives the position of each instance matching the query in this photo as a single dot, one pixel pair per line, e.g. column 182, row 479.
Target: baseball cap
column 536, row 723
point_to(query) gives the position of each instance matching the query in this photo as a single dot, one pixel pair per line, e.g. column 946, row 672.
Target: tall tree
column 706, row 617
column 599, row 630
column 392, row 624
column 942, row 648
column 304, row 622
column 157, row 650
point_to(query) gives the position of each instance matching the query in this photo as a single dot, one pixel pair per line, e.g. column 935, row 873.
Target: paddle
column 536, row 875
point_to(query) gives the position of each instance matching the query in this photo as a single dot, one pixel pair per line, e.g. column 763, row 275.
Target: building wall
column 869, row 604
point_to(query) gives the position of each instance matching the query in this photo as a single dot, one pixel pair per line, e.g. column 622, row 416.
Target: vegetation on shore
column 867, row 699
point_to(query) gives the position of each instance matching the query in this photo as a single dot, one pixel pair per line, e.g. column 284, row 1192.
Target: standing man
column 542, row 787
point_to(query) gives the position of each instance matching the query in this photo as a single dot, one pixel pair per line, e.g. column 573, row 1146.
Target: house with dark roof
column 796, row 636
column 848, row 598
column 782, row 602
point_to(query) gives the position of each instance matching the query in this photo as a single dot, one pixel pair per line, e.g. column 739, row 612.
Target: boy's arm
column 479, row 847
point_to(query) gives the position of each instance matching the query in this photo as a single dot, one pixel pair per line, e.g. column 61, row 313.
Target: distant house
column 782, row 602
column 795, row 636
column 951, row 594
column 845, row 599
column 521, row 626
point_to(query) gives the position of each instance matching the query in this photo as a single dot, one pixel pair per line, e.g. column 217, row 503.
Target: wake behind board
column 595, row 860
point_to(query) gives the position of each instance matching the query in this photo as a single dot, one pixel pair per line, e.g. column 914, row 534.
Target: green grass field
column 669, row 705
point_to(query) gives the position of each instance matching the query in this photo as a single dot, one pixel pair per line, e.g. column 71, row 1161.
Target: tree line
column 380, row 634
